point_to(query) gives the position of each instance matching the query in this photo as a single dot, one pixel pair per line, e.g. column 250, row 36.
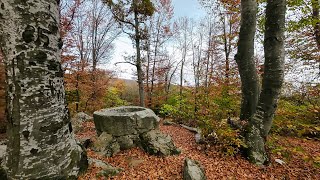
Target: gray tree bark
column 41, row 144
column 260, row 123
column 138, row 58
column 245, row 59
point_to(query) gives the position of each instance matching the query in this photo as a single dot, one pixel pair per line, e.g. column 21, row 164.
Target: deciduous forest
column 232, row 93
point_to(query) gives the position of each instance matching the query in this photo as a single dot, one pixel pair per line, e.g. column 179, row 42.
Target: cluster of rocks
column 125, row 127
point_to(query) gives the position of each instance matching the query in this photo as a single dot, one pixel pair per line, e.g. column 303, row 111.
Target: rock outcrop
column 192, row 170
column 156, row 143
column 130, row 126
column 107, row 170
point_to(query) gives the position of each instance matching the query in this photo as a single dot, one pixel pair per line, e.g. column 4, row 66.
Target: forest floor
column 301, row 156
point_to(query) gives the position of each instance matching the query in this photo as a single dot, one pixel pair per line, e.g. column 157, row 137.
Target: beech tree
column 260, row 117
column 41, row 143
column 245, row 59
column 131, row 15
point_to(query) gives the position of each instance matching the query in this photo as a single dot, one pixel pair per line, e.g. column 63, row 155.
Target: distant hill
column 127, row 82
column 130, row 91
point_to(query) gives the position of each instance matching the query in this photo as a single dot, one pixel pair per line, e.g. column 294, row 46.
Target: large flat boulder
column 125, row 120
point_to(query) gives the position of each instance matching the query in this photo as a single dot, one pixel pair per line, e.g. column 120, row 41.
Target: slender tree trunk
column 154, row 67
column 227, row 49
column 206, row 82
column 245, row 59
column 77, row 91
column 181, row 80
column 147, row 73
column 138, row 60
column 260, row 124
column 41, row 144
column 169, row 82
column 315, row 16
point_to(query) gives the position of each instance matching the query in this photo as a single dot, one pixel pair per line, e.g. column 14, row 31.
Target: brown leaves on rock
column 139, row 165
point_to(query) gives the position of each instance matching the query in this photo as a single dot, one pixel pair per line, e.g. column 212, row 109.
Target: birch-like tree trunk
column 245, row 59
column 41, row 144
column 260, row 123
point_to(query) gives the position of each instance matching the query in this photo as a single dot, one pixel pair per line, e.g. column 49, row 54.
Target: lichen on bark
column 40, row 143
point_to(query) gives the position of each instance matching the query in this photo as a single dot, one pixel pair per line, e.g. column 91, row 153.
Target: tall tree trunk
column 245, row 59
column 138, row 60
column 147, row 73
column 209, row 50
column 41, row 144
column 227, row 49
column 260, row 124
column 315, row 17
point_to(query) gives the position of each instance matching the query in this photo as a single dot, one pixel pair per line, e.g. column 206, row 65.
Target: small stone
column 133, row 162
column 198, row 138
column 107, row 169
column 168, row 123
column 279, row 161
column 193, row 170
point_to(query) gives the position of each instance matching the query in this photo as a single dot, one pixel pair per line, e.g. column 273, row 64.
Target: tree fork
column 260, row 123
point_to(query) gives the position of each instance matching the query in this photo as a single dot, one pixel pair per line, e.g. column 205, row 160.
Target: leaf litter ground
column 138, row 165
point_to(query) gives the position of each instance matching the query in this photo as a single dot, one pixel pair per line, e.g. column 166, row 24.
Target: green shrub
column 208, row 112
column 112, row 98
column 228, row 141
column 296, row 117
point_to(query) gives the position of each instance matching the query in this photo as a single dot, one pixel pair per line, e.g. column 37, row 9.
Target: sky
column 123, row 45
column 188, row 8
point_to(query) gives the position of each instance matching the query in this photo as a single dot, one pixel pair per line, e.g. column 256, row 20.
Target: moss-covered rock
column 157, row 143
